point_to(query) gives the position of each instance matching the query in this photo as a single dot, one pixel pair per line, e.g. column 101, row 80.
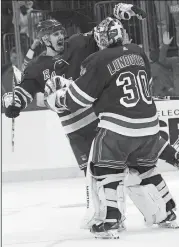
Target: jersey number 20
column 135, row 88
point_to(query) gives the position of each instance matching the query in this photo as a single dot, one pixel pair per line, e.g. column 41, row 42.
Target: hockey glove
column 123, row 11
column 12, row 108
column 55, row 93
column 55, row 83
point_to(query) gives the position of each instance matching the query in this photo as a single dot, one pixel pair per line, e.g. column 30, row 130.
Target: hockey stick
column 13, row 119
column 15, row 79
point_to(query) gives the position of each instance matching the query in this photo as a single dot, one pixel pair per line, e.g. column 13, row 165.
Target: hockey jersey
column 77, row 48
column 117, row 82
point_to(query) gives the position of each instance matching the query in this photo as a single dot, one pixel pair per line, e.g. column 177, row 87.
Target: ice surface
column 49, row 213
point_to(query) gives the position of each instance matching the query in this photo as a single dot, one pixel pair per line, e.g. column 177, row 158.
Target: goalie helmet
column 108, row 33
column 48, row 27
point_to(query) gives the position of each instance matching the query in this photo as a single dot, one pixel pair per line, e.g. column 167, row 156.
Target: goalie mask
column 49, row 28
column 108, row 33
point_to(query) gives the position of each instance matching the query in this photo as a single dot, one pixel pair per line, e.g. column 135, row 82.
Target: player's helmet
column 48, row 27
column 109, row 32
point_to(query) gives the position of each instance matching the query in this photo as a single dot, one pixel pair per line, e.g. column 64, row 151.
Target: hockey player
column 75, row 126
column 63, row 57
column 116, row 81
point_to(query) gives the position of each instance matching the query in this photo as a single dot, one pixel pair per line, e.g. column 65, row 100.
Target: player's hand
column 55, row 93
column 166, row 38
column 126, row 11
column 35, row 44
column 12, row 108
column 55, row 83
column 56, row 101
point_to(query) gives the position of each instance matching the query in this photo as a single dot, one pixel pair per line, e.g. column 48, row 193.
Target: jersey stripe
column 74, row 126
column 147, row 163
column 79, row 96
column 76, row 100
column 112, row 166
column 82, row 93
column 132, row 132
column 77, row 117
column 72, row 115
column 128, row 124
column 127, row 119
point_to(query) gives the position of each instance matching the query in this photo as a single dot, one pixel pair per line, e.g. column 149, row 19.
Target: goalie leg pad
column 150, row 189
column 149, row 202
column 104, row 198
column 156, row 179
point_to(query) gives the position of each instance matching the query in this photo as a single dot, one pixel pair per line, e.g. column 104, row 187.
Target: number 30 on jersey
column 135, row 88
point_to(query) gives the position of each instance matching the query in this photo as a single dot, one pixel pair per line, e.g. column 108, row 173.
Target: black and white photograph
column 90, row 123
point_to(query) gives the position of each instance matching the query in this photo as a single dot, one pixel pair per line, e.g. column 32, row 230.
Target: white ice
column 49, row 213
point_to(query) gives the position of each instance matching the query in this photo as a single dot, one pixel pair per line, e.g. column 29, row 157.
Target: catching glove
column 124, row 11
column 12, row 108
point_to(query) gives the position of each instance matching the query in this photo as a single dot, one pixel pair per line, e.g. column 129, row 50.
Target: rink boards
column 42, row 151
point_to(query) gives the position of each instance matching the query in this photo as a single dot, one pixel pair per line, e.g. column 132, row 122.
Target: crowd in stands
column 162, row 27
column 163, row 30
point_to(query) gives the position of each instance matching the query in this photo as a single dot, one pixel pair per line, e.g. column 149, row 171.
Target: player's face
column 57, row 39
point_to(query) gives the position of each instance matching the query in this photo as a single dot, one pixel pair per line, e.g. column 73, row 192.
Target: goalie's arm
column 80, row 93
column 84, row 91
